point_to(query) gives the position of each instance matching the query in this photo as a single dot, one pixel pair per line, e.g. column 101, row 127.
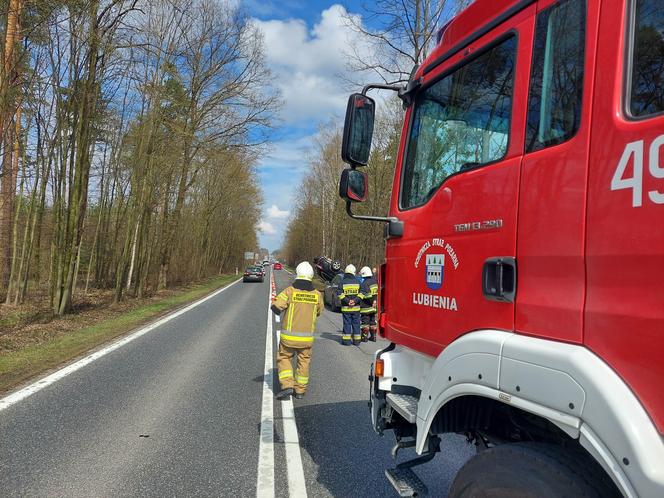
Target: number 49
column 634, row 153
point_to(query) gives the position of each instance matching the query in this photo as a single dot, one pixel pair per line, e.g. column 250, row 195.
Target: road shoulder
column 21, row 366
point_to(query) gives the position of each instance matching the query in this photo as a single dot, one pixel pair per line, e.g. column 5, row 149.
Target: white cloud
column 307, row 63
column 267, row 228
column 288, row 154
column 274, row 212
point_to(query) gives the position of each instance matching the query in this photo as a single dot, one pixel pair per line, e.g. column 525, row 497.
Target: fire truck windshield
column 459, row 122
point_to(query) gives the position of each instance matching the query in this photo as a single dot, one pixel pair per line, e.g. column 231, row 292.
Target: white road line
column 265, row 475
column 21, row 394
column 296, row 485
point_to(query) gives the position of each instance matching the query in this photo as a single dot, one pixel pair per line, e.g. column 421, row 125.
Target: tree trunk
column 15, row 160
column 8, row 78
column 81, row 167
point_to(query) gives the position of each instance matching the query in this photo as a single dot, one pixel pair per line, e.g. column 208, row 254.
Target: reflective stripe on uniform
column 297, row 338
column 285, row 374
column 344, row 336
column 302, row 380
column 289, row 325
column 366, row 311
column 350, row 309
column 301, row 334
column 283, row 296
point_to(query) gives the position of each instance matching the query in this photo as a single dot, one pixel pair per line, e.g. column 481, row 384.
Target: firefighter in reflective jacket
column 368, row 294
column 349, row 295
column 303, row 305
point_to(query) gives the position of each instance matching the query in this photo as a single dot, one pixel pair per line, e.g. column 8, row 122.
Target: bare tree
column 133, row 128
column 397, row 35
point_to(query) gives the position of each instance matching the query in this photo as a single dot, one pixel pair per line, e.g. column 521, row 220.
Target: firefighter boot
column 285, row 394
column 365, row 333
column 372, row 333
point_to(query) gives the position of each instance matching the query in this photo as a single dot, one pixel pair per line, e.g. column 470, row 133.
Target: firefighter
column 303, row 305
column 368, row 295
column 349, row 295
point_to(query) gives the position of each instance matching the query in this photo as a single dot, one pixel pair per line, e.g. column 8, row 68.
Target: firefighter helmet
column 350, row 269
column 366, row 272
column 304, row 271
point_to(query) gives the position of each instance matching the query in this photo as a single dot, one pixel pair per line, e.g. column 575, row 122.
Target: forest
column 129, row 135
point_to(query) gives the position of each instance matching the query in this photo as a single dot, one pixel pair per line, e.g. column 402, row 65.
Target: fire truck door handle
column 499, row 279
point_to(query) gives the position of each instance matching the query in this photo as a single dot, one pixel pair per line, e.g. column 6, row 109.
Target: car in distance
column 330, row 297
column 278, row 266
column 253, row 274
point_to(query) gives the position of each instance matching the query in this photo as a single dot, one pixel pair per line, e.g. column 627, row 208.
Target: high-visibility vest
column 302, row 310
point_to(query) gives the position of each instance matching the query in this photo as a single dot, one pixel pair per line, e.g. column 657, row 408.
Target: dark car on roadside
column 330, row 297
column 253, row 274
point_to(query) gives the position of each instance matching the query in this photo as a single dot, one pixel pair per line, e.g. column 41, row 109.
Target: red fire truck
column 523, row 284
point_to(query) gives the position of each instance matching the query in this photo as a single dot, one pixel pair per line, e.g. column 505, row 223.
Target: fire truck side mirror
column 353, row 185
column 358, row 130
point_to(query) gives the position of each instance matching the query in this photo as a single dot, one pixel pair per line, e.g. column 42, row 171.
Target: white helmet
column 366, row 272
column 350, row 269
column 304, row 271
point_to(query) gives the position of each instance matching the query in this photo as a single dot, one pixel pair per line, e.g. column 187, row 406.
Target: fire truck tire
column 533, row 470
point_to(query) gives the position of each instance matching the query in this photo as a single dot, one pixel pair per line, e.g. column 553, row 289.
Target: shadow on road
column 336, row 337
column 274, row 388
column 351, row 458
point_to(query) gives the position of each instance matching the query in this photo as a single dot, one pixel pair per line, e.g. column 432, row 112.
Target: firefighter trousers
column 300, row 380
column 369, row 326
column 351, row 326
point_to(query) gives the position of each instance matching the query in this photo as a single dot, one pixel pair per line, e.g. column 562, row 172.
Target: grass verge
column 18, row 366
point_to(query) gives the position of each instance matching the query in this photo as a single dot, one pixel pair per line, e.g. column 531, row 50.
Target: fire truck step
column 405, row 405
column 406, row 482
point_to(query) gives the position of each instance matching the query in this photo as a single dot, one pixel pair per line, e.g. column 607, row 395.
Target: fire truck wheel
column 533, row 470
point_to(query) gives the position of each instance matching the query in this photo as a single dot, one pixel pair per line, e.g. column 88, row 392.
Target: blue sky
column 305, row 43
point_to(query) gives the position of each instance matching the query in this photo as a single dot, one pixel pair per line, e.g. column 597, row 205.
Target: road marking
column 296, row 485
column 21, row 394
column 265, row 475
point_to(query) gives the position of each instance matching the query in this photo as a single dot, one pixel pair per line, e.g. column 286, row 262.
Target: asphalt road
column 177, row 412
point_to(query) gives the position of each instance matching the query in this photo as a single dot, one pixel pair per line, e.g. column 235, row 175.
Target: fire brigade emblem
column 435, row 270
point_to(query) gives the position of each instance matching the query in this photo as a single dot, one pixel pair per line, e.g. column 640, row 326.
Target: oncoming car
column 253, row 274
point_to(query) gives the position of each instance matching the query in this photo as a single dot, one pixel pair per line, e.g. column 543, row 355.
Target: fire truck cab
column 523, row 284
